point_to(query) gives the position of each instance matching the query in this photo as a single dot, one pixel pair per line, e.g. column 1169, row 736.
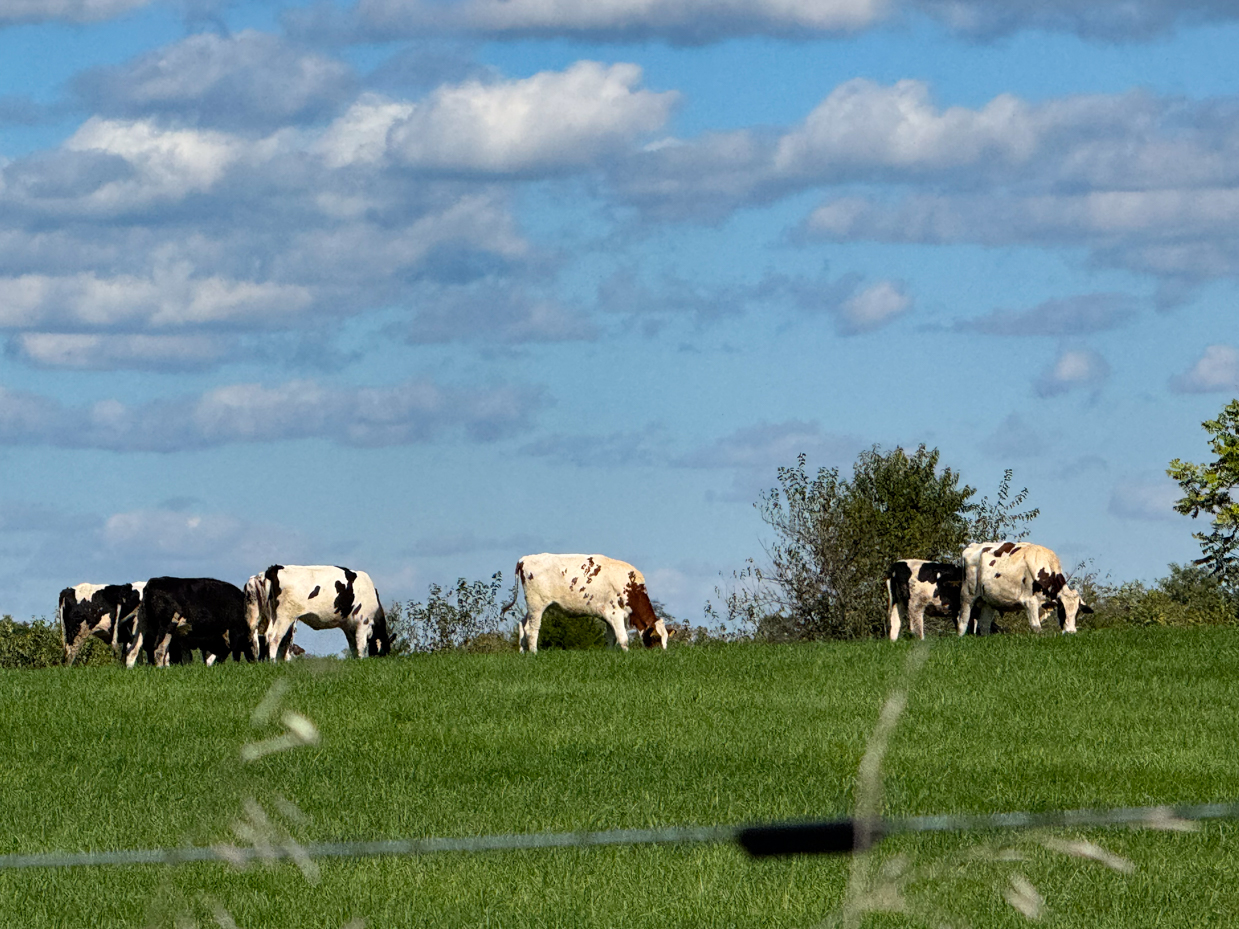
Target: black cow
column 180, row 614
column 106, row 611
column 915, row 587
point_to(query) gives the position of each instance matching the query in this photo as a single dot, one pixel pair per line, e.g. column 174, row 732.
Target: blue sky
column 420, row 286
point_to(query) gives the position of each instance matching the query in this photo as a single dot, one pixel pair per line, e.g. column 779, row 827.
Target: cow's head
column 656, row 635
column 379, row 643
column 1069, row 605
column 641, row 615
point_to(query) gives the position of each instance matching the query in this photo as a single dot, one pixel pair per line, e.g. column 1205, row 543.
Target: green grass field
column 455, row 744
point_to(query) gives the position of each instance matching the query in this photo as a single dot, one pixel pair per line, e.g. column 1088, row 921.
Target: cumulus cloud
column 1072, row 370
column 73, row 11
column 491, row 314
column 1216, row 370
column 551, row 122
column 680, row 21
column 1145, row 500
column 246, row 80
column 406, row 413
column 1144, row 182
column 1070, row 316
column 871, row 308
column 90, row 352
column 693, row 22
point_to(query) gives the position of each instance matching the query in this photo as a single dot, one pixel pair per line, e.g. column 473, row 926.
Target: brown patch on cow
column 314, row 592
column 641, row 611
column 992, row 563
column 996, row 574
column 986, row 549
column 572, row 583
column 1005, row 548
column 1049, row 584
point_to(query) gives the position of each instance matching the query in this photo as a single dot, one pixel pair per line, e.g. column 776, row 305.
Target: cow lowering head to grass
column 179, row 615
column 1002, row 576
column 915, row 588
column 322, row 597
column 586, row 585
column 106, row 611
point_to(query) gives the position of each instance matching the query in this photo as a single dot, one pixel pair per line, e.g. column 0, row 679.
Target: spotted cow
column 1008, row 576
column 586, row 585
column 322, row 597
column 181, row 614
column 105, row 611
column 915, row 587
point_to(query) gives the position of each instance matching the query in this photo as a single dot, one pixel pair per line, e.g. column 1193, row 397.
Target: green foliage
column 462, row 617
column 1208, row 489
column 1001, row 518
column 29, row 645
column 835, row 538
column 567, row 630
column 1190, row 595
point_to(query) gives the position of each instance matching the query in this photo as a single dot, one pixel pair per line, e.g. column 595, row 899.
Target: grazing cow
column 180, row 614
column 322, row 597
column 1013, row 576
column 915, row 587
column 106, row 611
column 586, row 585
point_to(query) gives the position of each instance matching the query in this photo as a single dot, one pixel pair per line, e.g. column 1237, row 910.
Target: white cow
column 322, row 597
column 1012, row 576
column 106, row 611
column 586, row 585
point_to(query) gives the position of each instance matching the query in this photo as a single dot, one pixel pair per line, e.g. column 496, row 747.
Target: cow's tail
column 516, row 589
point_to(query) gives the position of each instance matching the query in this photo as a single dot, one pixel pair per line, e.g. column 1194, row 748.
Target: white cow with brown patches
column 1010, row 576
column 586, row 585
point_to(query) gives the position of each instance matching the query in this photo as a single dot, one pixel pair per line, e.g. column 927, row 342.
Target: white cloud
column 1073, row 369
column 1216, row 370
column 89, row 352
column 169, row 298
column 409, row 412
column 248, row 78
column 872, row 308
column 552, row 121
column 1083, row 314
column 689, row 21
column 74, row 11
column 1145, row 500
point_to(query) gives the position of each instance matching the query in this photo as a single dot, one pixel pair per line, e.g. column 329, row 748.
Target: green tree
column 1208, row 489
column 835, row 538
column 464, row 616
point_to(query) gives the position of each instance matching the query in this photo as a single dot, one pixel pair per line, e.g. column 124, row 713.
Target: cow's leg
column 985, row 619
column 279, row 637
column 617, row 630
column 894, row 619
column 916, row 620
column 357, row 641
column 530, row 627
column 1032, row 606
column 966, row 605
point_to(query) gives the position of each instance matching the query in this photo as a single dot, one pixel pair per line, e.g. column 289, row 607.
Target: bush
column 29, row 645
column 1190, row 595
column 462, row 617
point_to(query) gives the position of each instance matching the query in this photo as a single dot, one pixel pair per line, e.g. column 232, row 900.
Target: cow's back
column 577, row 583
column 327, row 594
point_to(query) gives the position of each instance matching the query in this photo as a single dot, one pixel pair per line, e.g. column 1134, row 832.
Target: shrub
column 465, row 616
column 1190, row 595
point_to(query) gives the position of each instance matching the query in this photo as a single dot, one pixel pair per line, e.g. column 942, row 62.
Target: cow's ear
column 671, row 632
column 1085, row 608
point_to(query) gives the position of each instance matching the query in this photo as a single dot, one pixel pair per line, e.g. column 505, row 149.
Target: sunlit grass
column 454, row 744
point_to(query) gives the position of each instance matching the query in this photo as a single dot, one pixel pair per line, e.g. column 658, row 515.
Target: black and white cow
column 105, row 611
column 915, row 587
column 586, row 585
column 1015, row 576
column 322, row 597
column 180, row 614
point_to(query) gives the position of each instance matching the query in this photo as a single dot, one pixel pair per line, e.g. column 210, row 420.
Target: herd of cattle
column 168, row 618
column 997, row 576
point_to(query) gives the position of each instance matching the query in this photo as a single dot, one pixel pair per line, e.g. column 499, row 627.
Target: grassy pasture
column 453, row 744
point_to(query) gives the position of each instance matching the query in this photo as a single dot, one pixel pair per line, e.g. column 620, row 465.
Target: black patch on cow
column 898, row 576
column 1005, row 548
column 947, row 579
column 344, row 593
column 1049, row 584
column 272, row 574
column 314, row 592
